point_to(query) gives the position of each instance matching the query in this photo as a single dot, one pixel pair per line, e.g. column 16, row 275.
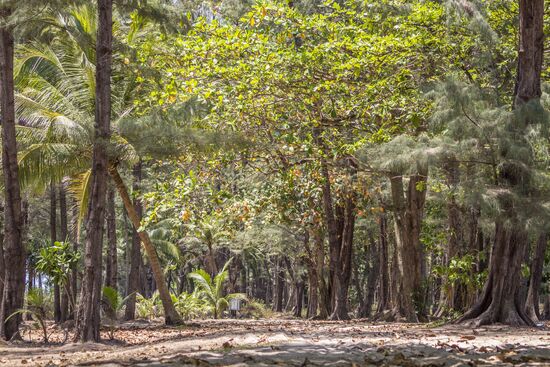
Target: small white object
column 234, row 304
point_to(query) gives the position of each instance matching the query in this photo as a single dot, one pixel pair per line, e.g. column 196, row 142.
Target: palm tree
column 211, row 290
column 211, row 232
column 13, row 278
column 88, row 316
column 56, row 100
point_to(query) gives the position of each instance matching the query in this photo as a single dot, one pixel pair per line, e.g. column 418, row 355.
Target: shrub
column 148, row 308
column 190, row 305
column 256, row 309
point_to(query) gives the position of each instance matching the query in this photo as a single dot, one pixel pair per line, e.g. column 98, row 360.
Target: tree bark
column 234, row 272
column 373, row 276
column 63, row 217
column 211, row 260
column 408, row 212
column 475, row 238
column 312, row 277
column 313, row 292
column 290, row 305
column 14, row 249
column 395, row 277
column 340, row 238
column 30, row 282
column 135, row 248
column 74, row 269
column 2, row 262
column 63, row 236
column 53, row 239
column 358, row 281
column 279, row 285
column 530, row 52
column 324, row 296
column 299, row 299
column 501, row 300
column 334, row 232
column 532, row 303
column 267, row 281
column 171, row 316
column 111, row 262
column 546, row 309
column 344, row 266
column 88, row 317
column 449, row 297
column 384, row 300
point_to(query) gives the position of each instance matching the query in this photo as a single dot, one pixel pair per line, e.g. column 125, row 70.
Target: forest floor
column 288, row 343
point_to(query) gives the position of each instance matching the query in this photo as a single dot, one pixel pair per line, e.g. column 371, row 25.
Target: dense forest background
column 333, row 160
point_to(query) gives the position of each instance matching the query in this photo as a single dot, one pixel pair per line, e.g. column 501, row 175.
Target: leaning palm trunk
column 170, row 314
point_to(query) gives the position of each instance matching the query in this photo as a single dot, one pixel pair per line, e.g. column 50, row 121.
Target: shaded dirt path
column 293, row 343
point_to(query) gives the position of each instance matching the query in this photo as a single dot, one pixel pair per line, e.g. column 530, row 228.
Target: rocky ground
column 287, row 343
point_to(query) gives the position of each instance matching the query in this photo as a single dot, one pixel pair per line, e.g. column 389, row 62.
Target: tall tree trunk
column 324, row 296
column 448, row 295
column 290, row 292
column 111, row 262
column 395, row 276
column 74, row 269
column 501, row 300
column 88, row 317
column 63, row 217
column 53, row 238
column 358, row 283
column 30, row 283
column 299, row 299
column 293, row 282
column 14, row 249
column 135, row 248
column 532, row 303
column 546, row 309
column 211, row 260
column 374, row 275
column 30, row 271
column 312, row 277
column 267, row 281
column 2, row 262
column 144, row 285
column 171, row 316
column 313, row 293
column 408, row 213
column 279, row 285
column 25, row 239
column 340, row 223
column 243, row 281
column 234, row 273
column 334, row 232
column 63, row 236
column 383, row 263
column 474, row 238
column 344, row 267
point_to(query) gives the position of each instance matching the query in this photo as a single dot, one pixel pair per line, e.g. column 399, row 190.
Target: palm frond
column 220, row 278
column 203, row 281
column 79, row 188
column 167, row 248
column 45, row 162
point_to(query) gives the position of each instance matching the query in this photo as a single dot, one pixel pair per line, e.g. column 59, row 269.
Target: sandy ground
column 289, row 343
